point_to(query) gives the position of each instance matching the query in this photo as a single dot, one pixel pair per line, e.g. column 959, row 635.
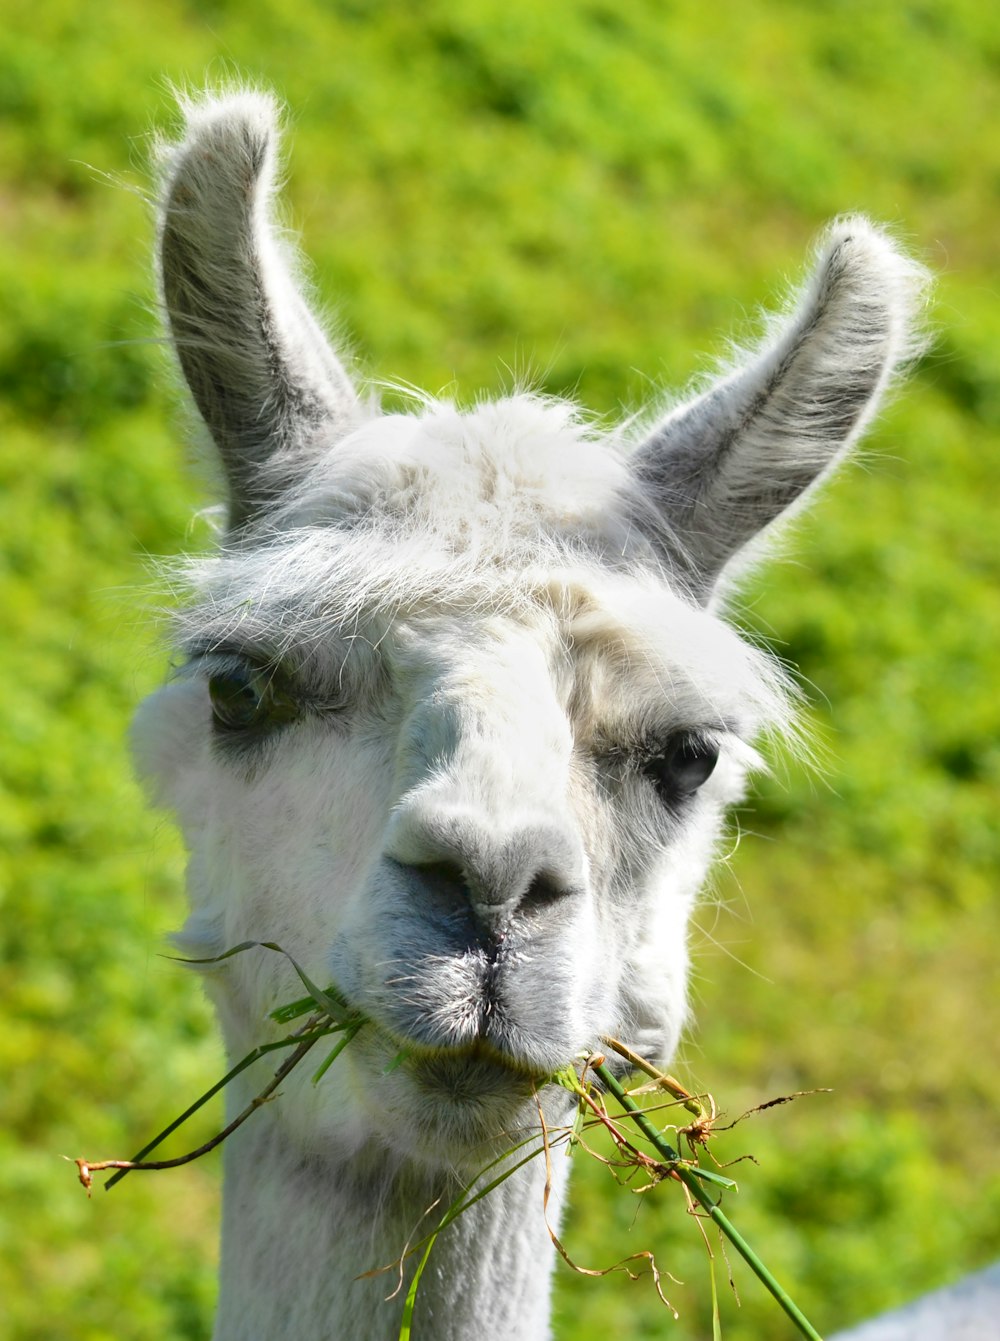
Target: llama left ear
column 267, row 384
column 721, row 468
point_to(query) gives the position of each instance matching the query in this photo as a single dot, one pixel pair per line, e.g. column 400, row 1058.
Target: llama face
column 457, row 720
column 483, row 813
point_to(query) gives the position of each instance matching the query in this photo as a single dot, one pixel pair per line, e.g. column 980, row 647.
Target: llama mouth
column 476, row 1057
column 488, row 1054
column 484, row 1055
column 474, row 1076
column 474, row 1034
column 463, row 1010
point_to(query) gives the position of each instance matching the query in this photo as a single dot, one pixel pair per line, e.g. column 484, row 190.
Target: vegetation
column 576, row 190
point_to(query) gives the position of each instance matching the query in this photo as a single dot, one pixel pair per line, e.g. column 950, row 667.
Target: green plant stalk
column 459, row 1206
column 261, row 1051
column 329, row 1002
column 690, row 1101
column 569, row 1079
column 688, row 1177
column 349, row 1031
column 349, row 1023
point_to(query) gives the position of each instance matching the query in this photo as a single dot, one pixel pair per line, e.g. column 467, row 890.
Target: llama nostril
column 544, row 890
column 453, row 890
column 444, row 878
column 457, row 867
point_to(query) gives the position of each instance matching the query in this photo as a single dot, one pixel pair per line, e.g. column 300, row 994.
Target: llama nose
column 524, row 870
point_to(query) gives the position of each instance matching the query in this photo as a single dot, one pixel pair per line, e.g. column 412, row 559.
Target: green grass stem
column 240, row 1066
column 347, row 1023
column 689, row 1177
column 349, row 1031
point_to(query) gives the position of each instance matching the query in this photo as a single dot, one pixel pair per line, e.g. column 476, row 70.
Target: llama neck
column 298, row 1233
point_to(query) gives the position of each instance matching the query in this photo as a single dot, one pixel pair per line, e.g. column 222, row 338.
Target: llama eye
column 686, row 763
column 245, row 697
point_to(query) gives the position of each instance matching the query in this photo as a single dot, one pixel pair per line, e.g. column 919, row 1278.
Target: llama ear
column 267, row 384
column 722, row 467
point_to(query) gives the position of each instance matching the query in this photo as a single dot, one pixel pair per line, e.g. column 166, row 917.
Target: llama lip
column 474, row 1073
column 476, row 1031
column 475, row 1056
column 462, row 1001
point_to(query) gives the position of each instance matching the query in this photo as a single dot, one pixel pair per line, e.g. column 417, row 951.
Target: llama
column 456, row 723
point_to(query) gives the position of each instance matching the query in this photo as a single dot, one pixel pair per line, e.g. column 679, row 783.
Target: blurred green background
column 600, row 192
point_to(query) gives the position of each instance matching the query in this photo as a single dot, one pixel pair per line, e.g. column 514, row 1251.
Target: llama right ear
column 263, row 376
column 721, row 468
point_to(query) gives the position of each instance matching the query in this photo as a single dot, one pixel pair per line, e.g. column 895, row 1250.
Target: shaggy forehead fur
column 518, row 510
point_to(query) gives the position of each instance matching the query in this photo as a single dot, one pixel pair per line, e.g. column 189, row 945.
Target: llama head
column 457, row 718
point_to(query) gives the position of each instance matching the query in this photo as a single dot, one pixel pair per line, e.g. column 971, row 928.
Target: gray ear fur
column 722, row 467
column 266, row 382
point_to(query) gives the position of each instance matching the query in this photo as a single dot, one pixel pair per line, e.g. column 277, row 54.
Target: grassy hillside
column 601, row 194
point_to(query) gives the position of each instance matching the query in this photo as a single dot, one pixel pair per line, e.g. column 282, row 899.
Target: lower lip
column 479, row 1062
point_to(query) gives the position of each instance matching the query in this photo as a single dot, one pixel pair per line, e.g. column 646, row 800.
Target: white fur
column 490, row 621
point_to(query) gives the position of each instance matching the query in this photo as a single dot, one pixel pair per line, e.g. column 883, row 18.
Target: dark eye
column 678, row 771
column 247, row 697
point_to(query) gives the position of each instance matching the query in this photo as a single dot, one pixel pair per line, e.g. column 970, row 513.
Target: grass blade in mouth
column 328, row 1013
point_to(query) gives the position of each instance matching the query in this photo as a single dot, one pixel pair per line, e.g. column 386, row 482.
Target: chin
column 473, row 1099
column 462, row 1106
